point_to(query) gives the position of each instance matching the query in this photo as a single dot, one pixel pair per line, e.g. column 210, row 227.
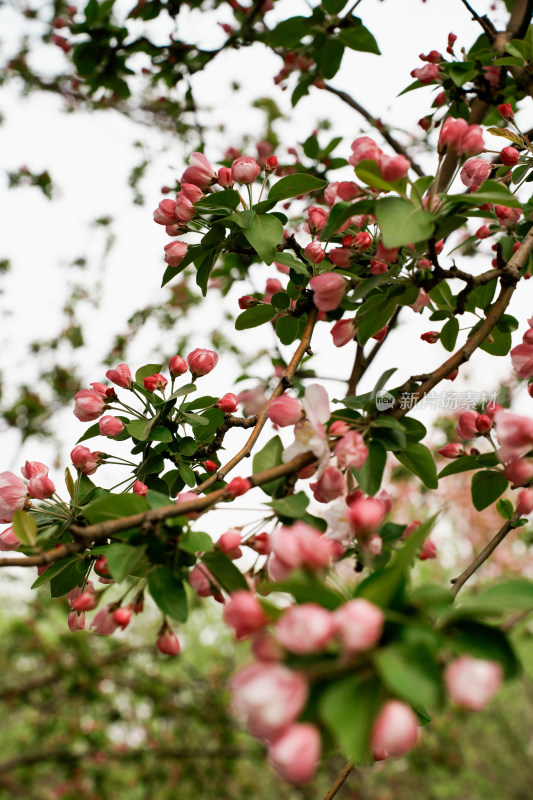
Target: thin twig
column 339, row 780
column 480, row 559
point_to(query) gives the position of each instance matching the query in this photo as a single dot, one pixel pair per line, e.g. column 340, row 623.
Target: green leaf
column 288, row 33
column 306, row 587
column 160, row 434
column 357, row 37
column 54, row 569
column 449, row 333
column 341, row 212
column 227, row 199
column 328, row 56
column 65, row 580
column 349, row 707
column 224, row 571
column 370, row 475
column 295, row 185
column 269, row 456
column 418, row 460
column 25, row 527
column 489, row 192
column 168, row 593
column 196, row 542
column 369, row 172
column 140, row 428
column 505, row 508
column 187, row 474
column 292, row 507
column 264, row 232
column 410, row 672
column 293, row 263
column 333, row 6
column 90, row 433
column 204, row 267
column 122, row 558
column 514, row 593
column 192, row 254
column 287, row 329
column 462, row 464
column 402, row 223
column 183, row 391
column 115, row 506
column 146, row 371
column 255, row 316
column 487, row 486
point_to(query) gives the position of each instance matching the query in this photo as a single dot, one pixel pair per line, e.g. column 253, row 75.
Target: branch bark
column 480, row 559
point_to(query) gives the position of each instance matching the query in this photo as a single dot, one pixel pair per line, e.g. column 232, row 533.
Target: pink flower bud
column 285, row 410
column 210, row 466
column 348, row 190
column 395, row 729
column 175, row 252
column 483, row 423
column 509, row 156
column 296, row 753
column 260, row 543
column 338, row 428
column 110, row 426
column 201, row 361
column 451, row 132
column 329, row 486
column 430, row 336
column 366, row 514
column 245, row 169
column 13, row 494
column 507, row 216
column 88, row 405
column 229, row 543
column 243, row 612
column 524, row 506
column 33, row 468
column 351, row 451
column 228, row 403
column 271, row 163
column 177, row 366
column 299, row 546
column 191, row 192
column 362, row 240
column 101, row 567
column 237, row 487
column 482, row 232
column 185, row 211
column 84, row 460
column 307, row 628
column 466, row 425
column 471, row 142
column 224, row 177
column 364, row 149
column 340, row 256
column 41, row 487
column 328, row 289
column 519, row 471
column 9, row 540
column 421, row 301
column 268, row 697
column 343, row 331
column 506, row 111
column 168, row 643
column 359, row 625
column 122, row 616
column 426, row 74
column 315, row 253
column 199, row 172
column 316, row 219
column 199, row 580
column 474, row 172
column 471, row 682
column 515, row 435
column 121, row 376
column 86, row 601
column 380, row 335
column 429, row 550
column 452, row 450
column 139, row 488
column 154, row 382
column 76, row 621
column 393, row 168
column 165, row 213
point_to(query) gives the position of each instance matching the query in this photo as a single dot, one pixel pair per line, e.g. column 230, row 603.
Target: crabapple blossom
column 84, row 460
column 229, row 543
column 140, row 488
column 309, row 433
column 199, row 172
column 306, row 628
column 41, row 486
column 228, row 403
column 177, row 366
column 296, row 752
column 103, row 623
column 33, row 468
column 328, row 290
column 285, row 410
column 175, row 252
column 509, row 156
column 351, row 451
column 13, row 495
column 121, row 376
column 524, row 507
column 9, row 540
column 298, row 546
column 471, row 682
column 88, row 405
column 245, row 169
column 395, row 729
column 243, row 612
column 330, row 486
column 168, row 643
column 474, row 172
column 201, row 361
column 110, row 426
column 343, row 331
column 359, row 625
column 268, row 697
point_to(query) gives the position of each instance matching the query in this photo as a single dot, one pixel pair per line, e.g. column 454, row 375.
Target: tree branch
column 480, row 559
column 339, row 780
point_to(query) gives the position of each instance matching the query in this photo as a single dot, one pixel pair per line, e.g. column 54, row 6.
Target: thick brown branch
column 376, row 123
column 480, row 559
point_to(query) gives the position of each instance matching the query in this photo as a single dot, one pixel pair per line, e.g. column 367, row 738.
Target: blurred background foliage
column 110, row 719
